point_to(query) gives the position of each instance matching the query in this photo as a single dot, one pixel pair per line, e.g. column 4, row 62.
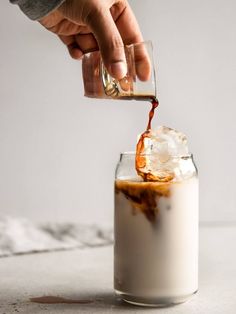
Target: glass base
column 154, row 302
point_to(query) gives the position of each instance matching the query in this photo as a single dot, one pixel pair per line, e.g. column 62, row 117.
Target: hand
column 86, row 25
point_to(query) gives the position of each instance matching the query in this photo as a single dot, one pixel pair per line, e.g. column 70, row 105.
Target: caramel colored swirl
column 142, row 160
column 143, row 196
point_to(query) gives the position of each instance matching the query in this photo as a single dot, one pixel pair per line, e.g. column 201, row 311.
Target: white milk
column 156, row 261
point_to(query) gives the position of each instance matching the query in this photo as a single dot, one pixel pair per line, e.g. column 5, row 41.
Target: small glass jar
column 139, row 82
column 155, row 235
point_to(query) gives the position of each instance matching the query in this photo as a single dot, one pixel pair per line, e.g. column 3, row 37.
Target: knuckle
column 115, row 43
column 92, row 14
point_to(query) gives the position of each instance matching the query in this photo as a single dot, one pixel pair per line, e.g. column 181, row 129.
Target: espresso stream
column 140, row 160
column 155, row 104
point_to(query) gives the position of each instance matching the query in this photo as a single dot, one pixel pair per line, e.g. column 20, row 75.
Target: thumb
column 109, row 41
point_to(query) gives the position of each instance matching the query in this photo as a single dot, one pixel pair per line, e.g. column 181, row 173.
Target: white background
column 55, row 163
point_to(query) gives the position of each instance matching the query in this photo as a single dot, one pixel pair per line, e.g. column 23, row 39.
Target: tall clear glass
column 138, row 83
column 156, row 235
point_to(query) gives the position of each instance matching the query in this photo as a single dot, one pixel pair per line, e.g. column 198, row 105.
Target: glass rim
column 133, row 153
column 128, row 46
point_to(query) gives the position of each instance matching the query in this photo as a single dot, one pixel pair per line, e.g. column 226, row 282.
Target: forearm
column 36, row 9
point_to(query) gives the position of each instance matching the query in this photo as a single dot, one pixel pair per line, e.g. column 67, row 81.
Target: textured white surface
column 87, row 274
column 20, row 236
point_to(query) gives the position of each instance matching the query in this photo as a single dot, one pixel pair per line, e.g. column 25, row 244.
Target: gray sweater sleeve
column 36, row 9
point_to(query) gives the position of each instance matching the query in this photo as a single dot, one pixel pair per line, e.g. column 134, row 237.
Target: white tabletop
column 86, row 274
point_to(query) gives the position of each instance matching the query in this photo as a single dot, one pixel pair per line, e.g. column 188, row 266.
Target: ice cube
column 175, row 141
column 162, row 149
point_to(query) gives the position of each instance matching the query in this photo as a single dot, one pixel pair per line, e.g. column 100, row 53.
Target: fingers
column 130, row 33
column 109, row 41
column 86, row 42
column 128, row 26
column 73, row 48
column 74, row 51
column 142, row 62
column 113, row 24
column 79, row 44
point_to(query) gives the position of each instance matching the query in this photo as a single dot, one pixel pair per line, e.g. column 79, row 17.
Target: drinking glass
column 138, row 83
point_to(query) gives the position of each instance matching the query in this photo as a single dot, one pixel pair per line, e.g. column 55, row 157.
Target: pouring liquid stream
column 140, row 160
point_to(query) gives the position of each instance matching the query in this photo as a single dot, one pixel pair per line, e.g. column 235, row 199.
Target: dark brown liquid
column 58, row 300
column 140, row 161
column 155, row 104
column 144, row 196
